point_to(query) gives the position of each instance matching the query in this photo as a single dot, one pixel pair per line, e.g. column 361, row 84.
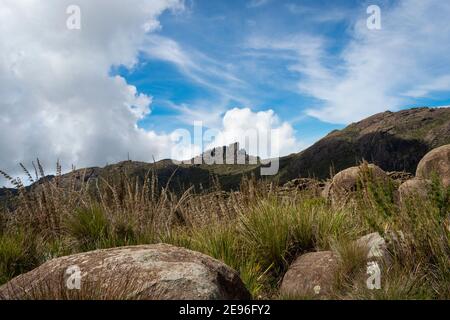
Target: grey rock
column 310, row 275
column 436, row 161
column 145, row 272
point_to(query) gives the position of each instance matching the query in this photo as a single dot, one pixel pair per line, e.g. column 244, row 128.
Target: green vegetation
column 258, row 231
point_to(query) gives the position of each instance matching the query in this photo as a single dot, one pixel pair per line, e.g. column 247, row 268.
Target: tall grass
column 258, row 230
column 18, row 254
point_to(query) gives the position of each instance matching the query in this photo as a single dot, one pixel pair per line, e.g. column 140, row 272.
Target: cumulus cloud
column 260, row 133
column 58, row 99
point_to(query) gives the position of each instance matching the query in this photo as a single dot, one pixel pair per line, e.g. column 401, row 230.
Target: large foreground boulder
column 345, row 183
column 311, row 275
column 437, row 161
column 144, row 272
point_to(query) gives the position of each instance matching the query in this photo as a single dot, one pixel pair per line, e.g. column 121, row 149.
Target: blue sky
column 221, row 36
column 135, row 73
column 244, row 54
column 218, row 35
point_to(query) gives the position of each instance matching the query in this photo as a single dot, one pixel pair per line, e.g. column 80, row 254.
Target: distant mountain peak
column 231, row 154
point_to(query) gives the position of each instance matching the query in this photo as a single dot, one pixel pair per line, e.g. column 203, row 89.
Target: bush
column 89, row 227
column 18, row 254
column 277, row 231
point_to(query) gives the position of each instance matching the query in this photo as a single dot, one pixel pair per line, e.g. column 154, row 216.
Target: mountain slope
column 395, row 141
column 179, row 177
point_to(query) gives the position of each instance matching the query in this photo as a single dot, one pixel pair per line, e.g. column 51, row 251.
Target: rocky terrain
column 162, row 271
column 394, row 141
column 377, row 229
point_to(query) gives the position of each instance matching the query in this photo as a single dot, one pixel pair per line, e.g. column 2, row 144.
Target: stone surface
column 436, row 161
column 310, row 275
column 345, row 182
column 414, row 188
column 144, row 272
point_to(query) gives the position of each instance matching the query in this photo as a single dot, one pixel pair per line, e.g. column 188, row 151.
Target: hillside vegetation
column 258, row 231
column 260, row 227
column 395, row 141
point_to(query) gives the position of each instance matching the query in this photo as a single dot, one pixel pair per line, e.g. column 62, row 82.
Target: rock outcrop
column 313, row 275
column 145, row 272
column 394, row 141
column 400, row 176
column 345, row 183
column 416, row 188
column 437, row 161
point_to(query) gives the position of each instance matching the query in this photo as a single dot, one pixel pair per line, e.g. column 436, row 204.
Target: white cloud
column 376, row 70
column 57, row 99
column 260, row 133
column 210, row 114
column 257, row 3
column 386, row 69
column 441, row 83
column 200, row 68
column 319, row 14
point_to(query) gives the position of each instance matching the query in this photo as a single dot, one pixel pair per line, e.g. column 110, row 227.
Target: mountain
column 231, row 154
column 181, row 175
column 395, row 141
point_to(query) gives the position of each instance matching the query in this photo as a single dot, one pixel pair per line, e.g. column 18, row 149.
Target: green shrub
column 266, row 231
column 277, row 231
column 18, row 254
column 89, row 227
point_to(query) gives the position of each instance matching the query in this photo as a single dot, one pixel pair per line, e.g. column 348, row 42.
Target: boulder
column 436, row 161
column 145, row 272
column 416, row 187
column 310, row 275
column 345, row 182
column 326, row 190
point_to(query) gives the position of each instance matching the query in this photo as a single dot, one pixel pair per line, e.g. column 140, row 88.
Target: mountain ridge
column 395, row 141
